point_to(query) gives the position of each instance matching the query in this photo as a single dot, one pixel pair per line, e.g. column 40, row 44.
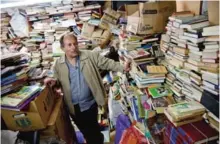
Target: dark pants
column 87, row 123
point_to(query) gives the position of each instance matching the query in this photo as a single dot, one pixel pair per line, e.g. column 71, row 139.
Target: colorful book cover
column 160, row 91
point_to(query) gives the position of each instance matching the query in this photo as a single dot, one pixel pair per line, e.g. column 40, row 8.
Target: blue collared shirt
column 81, row 93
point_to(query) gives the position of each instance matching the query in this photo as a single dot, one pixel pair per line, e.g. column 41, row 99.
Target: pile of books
column 184, row 113
column 191, row 48
column 14, row 68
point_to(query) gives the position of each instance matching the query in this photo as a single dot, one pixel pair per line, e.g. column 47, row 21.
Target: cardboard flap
column 55, row 112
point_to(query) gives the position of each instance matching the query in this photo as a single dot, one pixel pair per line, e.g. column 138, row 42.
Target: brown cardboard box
column 59, row 124
column 34, row 117
column 152, row 16
column 213, row 12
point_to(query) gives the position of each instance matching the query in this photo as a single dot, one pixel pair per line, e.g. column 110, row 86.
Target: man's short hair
column 64, row 35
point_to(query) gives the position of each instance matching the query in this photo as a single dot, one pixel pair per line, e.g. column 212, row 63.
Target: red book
column 198, row 132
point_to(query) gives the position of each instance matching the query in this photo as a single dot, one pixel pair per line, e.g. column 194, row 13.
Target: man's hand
column 50, row 82
column 127, row 65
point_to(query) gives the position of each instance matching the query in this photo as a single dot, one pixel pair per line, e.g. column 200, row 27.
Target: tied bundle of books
column 196, row 132
column 184, row 113
column 149, row 74
column 110, row 18
column 14, row 68
column 18, row 100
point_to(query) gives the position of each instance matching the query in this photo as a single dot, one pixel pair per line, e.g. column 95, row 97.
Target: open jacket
column 90, row 63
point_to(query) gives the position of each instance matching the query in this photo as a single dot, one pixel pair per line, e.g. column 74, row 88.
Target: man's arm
column 106, row 63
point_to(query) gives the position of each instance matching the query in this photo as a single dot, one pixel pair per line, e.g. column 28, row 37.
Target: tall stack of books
column 210, row 59
column 4, row 26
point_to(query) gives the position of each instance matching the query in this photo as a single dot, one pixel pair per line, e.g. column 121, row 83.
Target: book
column 191, row 19
column 210, row 85
column 210, row 60
column 185, row 110
column 211, row 28
column 212, row 38
column 211, row 55
column 160, row 91
column 195, row 25
column 210, row 74
column 137, row 54
column 194, row 35
column 215, row 92
column 156, row 69
column 183, row 122
column 196, row 132
column 14, row 99
column 193, row 40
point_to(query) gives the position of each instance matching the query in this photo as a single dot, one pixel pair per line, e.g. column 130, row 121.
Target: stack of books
column 4, row 26
column 149, row 75
column 210, row 60
column 184, row 113
column 14, row 72
column 196, row 132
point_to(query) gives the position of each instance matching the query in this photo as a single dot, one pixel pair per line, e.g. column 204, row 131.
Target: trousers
column 87, row 123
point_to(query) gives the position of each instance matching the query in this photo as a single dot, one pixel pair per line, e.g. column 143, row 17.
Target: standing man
column 77, row 72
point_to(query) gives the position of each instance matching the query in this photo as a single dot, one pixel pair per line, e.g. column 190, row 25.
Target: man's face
column 70, row 46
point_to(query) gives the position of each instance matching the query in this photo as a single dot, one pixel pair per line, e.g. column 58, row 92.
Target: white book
column 214, row 46
column 193, row 48
column 191, row 35
column 211, row 91
column 210, row 74
column 211, row 50
column 211, row 33
column 195, row 26
column 210, row 85
column 210, row 79
column 194, row 40
column 212, row 55
column 211, row 28
column 191, row 67
column 197, row 53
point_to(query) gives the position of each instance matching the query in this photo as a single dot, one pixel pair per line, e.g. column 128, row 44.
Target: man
column 77, row 72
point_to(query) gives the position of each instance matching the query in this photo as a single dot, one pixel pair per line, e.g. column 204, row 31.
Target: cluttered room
column 109, row 72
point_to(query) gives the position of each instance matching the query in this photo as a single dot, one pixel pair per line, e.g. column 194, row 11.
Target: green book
column 160, row 91
column 140, row 107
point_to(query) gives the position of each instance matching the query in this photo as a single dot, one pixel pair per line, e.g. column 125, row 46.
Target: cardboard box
column 149, row 17
column 34, row 117
column 213, row 12
column 59, row 124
